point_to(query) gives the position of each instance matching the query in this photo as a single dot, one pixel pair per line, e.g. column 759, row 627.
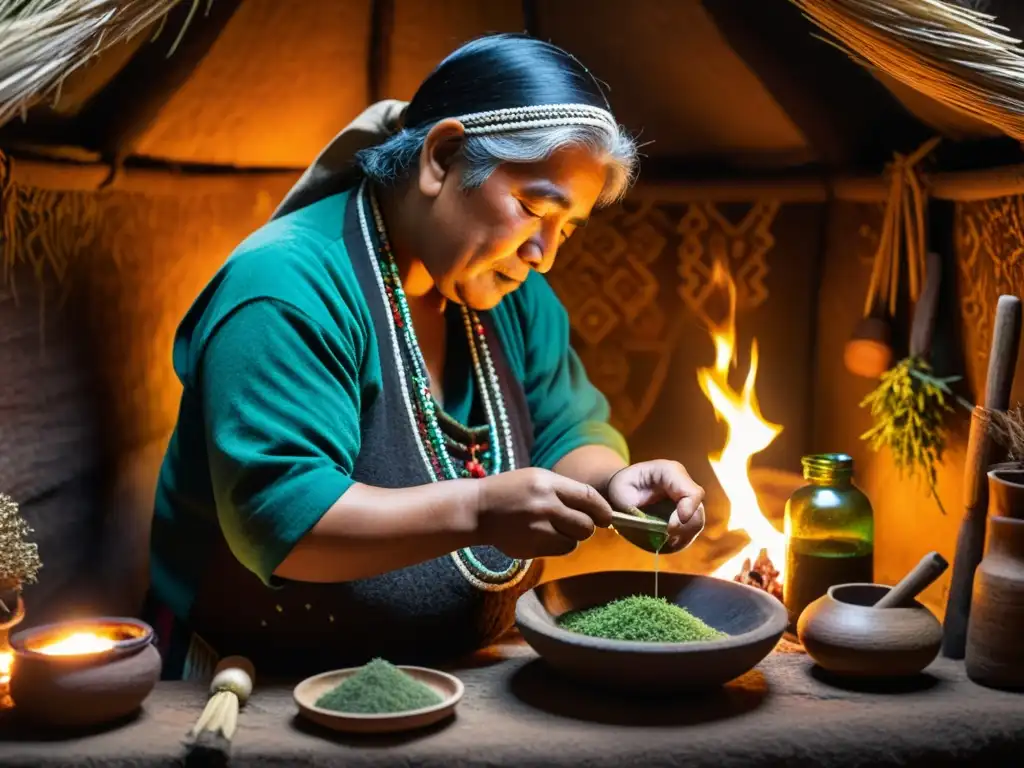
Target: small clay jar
column 84, row 690
column 994, row 655
column 846, row 635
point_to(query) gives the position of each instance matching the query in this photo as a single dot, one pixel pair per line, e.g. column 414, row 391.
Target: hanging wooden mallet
column 229, row 691
column 869, row 353
column 970, row 545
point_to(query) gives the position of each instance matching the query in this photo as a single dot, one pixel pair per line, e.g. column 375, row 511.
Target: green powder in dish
column 379, row 688
column 641, row 618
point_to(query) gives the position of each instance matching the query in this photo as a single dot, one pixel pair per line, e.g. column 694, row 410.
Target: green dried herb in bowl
column 379, row 688
column 639, row 618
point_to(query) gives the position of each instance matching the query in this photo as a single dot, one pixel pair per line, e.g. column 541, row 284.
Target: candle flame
column 78, row 643
column 6, row 662
column 747, row 433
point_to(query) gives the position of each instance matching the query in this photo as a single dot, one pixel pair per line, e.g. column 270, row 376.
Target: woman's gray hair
column 394, row 159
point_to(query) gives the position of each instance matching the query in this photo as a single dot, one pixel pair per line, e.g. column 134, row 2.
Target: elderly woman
column 383, row 422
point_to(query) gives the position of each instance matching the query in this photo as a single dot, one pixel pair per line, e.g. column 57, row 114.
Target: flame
column 6, row 662
column 747, row 433
column 78, row 643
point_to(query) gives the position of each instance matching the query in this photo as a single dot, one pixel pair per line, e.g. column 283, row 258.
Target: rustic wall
column 981, row 261
column 637, row 285
column 87, row 393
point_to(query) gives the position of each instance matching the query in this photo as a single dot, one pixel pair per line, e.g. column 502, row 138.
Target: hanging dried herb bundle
column 909, row 408
column 19, row 558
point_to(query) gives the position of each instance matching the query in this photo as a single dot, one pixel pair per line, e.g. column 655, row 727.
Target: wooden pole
column 970, row 545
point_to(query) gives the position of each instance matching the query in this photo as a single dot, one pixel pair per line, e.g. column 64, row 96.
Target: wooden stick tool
column 914, row 583
column 970, row 544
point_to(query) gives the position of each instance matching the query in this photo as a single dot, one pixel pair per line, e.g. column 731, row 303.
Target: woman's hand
column 536, row 513
column 649, row 482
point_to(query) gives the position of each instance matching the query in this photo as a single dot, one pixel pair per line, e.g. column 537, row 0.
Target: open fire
column 760, row 563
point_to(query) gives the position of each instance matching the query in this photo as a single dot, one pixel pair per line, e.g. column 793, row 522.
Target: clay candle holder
column 874, row 631
column 80, row 674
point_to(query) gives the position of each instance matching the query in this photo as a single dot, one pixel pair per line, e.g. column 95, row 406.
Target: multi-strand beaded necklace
column 489, row 449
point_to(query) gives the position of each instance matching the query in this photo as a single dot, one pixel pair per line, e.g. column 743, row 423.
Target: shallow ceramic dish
column 845, row 635
column 448, row 687
column 753, row 620
column 87, row 689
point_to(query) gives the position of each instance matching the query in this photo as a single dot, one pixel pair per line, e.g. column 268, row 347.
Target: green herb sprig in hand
column 909, row 408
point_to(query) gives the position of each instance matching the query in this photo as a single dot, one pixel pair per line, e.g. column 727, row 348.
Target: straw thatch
column 43, row 41
column 950, row 51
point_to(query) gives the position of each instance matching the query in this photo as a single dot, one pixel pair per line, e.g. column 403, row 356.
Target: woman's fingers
column 571, row 523
column 585, row 499
column 550, row 542
column 681, row 534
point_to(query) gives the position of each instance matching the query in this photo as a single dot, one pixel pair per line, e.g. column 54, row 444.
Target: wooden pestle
column 914, row 583
column 970, row 545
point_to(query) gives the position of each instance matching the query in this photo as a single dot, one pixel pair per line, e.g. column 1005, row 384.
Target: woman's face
column 483, row 242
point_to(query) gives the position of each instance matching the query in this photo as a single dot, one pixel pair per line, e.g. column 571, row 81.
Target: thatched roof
column 265, row 83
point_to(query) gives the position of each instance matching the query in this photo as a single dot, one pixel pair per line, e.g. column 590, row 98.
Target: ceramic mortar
column 845, row 634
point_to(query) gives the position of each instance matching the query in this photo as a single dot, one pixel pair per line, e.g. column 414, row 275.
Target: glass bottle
column 830, row 533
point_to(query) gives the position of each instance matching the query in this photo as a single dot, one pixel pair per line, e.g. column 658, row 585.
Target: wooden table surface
column 517, row 713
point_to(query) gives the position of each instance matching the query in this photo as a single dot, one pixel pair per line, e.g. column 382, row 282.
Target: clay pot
column 83, row 690
column 995, row 652
column 869, row 352
column 845, row 635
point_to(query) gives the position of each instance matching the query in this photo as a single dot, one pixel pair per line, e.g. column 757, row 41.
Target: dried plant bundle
column 908, row 412
column 43, row 41
column 19, row 558
column 959, row 56
column 1007, row 429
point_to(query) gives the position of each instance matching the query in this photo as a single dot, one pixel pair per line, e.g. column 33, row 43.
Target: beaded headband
column 540, row 116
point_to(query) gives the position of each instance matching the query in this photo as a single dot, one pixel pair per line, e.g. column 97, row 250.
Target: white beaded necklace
column 499, row 426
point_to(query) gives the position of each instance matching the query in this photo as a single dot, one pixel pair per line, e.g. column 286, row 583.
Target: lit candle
column 6, row 662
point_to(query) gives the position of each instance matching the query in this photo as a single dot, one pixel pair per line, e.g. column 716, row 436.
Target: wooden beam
column 795, row 190
column 382, row 23
column 151, row 181
column 843, row 112
column 960, row 186
column 118, row 116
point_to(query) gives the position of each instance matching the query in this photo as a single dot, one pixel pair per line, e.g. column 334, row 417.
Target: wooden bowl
column 88, row 689
column 754, row 621
column 846, row 636
column 448, row 687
